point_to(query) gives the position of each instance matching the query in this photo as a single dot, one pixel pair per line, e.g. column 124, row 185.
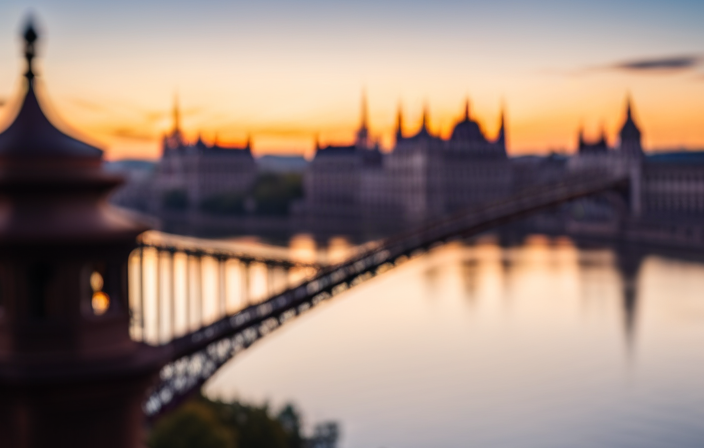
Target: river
column 540, row 344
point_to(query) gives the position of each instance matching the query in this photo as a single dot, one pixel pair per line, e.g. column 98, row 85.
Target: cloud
column 122, row 108
column 130, row 133
column 155, row 116
column 86, row 104
column 660, row 65
column 673, row 63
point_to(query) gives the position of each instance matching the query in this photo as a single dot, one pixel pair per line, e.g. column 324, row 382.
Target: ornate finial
column 30, row 37
column 466, row 109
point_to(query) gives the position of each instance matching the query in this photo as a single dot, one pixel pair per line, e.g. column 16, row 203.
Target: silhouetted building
column 424, row 176
column 666, row 199
column 335, row 178
column 597, row 147
column 200, row 171
column 629, row 143
column 673, row 185
column 630, row 137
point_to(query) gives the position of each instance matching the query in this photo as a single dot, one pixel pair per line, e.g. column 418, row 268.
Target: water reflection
column 628, row 264
column 483, row 345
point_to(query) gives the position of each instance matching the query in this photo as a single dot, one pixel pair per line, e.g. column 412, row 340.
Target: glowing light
column 100, row 303
column 96, row 281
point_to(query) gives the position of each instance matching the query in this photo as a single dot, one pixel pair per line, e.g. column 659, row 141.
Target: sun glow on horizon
column 669, row 116
column 285, row 79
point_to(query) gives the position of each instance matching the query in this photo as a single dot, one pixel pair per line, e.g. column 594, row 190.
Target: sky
column 285, row 72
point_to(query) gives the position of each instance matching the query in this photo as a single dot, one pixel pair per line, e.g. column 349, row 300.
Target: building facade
column 423, row 176
column 195, row 172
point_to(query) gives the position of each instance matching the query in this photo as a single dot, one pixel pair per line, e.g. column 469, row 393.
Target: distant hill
column 130, row 165
column 282, row 164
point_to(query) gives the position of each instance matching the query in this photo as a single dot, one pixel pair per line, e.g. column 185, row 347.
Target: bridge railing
column 175, row 290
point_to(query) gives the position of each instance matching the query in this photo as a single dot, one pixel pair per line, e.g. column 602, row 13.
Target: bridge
column 200, row 343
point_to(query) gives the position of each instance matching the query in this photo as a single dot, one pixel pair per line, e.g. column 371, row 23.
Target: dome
column 467, row 131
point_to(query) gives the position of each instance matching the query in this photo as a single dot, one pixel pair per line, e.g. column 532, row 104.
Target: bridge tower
column 70, row 375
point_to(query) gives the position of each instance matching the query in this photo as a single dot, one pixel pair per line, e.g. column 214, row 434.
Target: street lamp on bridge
column 70, row 375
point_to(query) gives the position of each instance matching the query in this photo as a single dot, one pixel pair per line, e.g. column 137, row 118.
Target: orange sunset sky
column 284, row 73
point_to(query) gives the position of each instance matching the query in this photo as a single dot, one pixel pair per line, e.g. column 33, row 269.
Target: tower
column 174, row 140
column 399, row 124
column 501, row 138
column 630, row 135
column 363, row 141
column 70, row 375
column 177, row 117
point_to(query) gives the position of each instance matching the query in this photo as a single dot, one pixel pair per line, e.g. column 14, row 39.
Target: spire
column 423, row 132
column 399, row 123
column 248, row 145
column 175, row 138
column 602, row 138
column 501, row 140
column 630, row 135
column 466, row 109
column 176, row 116
column 200, row 144
column 364, row 118
column 424, row 124
column 363, row 132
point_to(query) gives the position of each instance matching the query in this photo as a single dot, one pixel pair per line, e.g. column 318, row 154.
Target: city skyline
column 285, row 74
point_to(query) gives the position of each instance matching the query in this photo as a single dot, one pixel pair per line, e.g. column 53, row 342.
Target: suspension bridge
column 200, row 342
